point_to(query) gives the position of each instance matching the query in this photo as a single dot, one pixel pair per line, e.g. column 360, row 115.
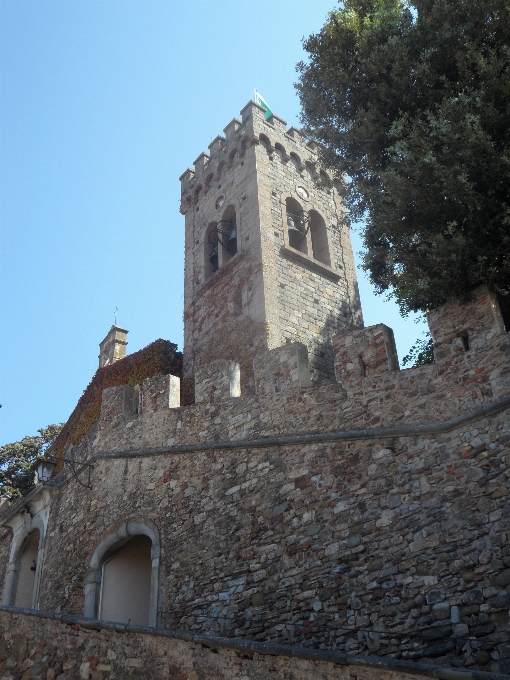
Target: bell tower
column 268, row 256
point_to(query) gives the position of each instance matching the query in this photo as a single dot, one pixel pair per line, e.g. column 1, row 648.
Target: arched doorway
column 25, row 587
column 126, row 582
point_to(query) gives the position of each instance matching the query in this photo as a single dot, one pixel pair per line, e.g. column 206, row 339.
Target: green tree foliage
column 412, row 103
column 17, row 462
column 421, row 353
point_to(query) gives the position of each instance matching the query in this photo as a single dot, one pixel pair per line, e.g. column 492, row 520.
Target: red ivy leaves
column 158, row 358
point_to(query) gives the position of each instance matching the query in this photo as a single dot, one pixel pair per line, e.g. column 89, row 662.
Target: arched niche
column 296, row 228
column 319, row 237
column 123, row 577
column 25, row 587
column 266, row 143
column 23, row 574
column 126, row 582
column 280, row 150
column 296, row 160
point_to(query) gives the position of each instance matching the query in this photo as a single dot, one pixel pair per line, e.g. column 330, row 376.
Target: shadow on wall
column 320, row 346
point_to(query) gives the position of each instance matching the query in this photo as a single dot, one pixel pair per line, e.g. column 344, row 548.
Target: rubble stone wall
column 49, row 648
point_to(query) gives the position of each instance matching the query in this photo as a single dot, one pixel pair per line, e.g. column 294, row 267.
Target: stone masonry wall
column 224, row 312
column 307, row 301
column 387, row 542
column 63, row 648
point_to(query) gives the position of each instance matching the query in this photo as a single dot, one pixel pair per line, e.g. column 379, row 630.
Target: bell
column 231, row 243
column 213, row 258
column 295, row 233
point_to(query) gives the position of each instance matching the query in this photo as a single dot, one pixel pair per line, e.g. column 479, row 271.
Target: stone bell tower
column 268, row 256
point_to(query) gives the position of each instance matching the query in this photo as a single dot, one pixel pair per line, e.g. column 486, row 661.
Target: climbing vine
column 158, row 358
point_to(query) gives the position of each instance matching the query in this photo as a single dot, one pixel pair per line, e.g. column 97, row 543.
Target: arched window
column 319, row 236
column 126, row 582
column 228, row 234
column 296, row 225
column 26, row 585
column 211, row 251
column 122, row 581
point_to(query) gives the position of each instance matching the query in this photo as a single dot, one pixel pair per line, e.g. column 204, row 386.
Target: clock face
column 220, row 201
column 302, row 192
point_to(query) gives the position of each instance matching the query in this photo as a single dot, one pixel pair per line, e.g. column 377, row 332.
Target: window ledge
column 309, row 262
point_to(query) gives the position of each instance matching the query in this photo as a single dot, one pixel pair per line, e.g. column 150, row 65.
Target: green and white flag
column 258, row 99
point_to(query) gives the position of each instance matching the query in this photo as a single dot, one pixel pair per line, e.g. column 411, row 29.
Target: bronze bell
column 294, row 229
column 231, row 243
column 213, row 258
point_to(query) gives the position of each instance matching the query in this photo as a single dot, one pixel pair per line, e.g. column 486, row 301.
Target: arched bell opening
column 297, row 226
column 227, row 234
column 27, row 574
column 125, row 578
column 211, row 251
column 319, row 236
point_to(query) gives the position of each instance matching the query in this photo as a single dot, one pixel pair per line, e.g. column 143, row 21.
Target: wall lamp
column 46, row 466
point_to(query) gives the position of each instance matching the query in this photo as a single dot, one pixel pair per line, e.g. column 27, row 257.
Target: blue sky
column 103, row 105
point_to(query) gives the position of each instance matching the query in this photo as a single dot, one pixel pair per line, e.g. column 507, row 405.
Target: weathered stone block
column 459, row 328
column 161, row 393
column 282, row 368
column 117, row 404
column 364, row 353
column 218, row 381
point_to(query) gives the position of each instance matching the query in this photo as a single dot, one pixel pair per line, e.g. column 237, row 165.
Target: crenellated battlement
column 252, row 129
column 370, row 388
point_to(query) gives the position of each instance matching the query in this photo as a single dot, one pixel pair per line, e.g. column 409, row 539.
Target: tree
column 18, row 460
column 421, row 353
column 411, row 101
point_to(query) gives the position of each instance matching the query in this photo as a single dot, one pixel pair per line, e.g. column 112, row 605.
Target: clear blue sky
column 103, row 105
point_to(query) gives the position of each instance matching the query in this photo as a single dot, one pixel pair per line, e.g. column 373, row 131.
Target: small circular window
column 220, row 201
column 302, row 192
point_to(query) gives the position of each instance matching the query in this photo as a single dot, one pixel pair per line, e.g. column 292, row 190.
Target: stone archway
column 23, row 576
column 120, row 561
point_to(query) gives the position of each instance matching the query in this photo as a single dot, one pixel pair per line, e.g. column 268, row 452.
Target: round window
column 302, row 192
column 220, row 201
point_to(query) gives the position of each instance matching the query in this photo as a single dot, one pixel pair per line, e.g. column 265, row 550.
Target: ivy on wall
column 158, row 358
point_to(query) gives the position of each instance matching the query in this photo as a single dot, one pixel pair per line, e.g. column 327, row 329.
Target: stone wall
column 46, row 647
column 5, row 545
column 382, row 529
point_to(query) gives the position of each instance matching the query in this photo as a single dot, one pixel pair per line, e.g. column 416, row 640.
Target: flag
column 258, row 99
